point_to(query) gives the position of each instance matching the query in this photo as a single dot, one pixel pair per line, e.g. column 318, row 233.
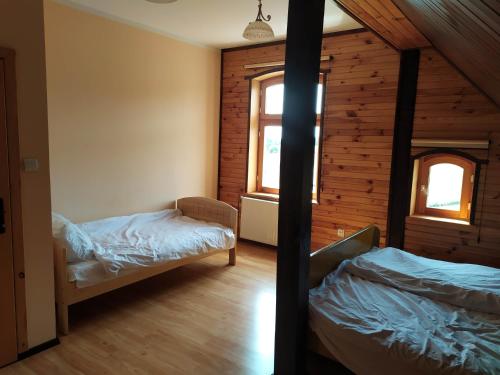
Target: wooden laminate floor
column 203, row 318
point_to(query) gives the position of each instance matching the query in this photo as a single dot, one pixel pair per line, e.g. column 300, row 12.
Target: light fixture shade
column 258, row 30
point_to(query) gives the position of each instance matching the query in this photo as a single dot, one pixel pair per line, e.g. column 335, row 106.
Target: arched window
column 269, row 149
column 445, row 186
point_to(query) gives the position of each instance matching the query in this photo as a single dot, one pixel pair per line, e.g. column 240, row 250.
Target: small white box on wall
column 31, row 165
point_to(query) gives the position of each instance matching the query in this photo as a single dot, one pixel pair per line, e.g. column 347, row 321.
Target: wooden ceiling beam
column 466, row 32
column 387, row 21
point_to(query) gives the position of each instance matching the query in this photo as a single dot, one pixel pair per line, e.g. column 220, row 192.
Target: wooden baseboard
column 252, row 242
column 37, row 349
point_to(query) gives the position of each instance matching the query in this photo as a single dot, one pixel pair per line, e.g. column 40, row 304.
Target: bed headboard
column 325, row 260
column 210, row 210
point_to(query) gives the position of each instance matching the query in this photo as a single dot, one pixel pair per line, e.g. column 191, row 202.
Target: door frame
column 9, row 58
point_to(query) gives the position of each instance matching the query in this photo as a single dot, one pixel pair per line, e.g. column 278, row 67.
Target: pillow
column 78, row 244
column 58, row 222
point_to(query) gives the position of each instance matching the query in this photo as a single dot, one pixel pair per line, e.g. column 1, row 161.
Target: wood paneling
column 357, row 143
column 467, row 32
column 449, row 107
column 384, row 18
column 356, row 157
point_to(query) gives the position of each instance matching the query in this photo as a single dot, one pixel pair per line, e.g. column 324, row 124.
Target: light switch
column 31, row 165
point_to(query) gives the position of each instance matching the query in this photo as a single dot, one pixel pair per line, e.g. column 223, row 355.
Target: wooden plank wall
column 449, row 107
column 357, row 136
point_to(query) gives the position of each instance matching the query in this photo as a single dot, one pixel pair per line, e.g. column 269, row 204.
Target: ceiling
column 212, row 23
column 466, row 32
column 384, row 18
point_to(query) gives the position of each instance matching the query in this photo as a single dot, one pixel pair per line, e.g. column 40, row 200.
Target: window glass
column 316, row 157
column 444, row 191
column 274, row 99
column 319, row 99
column 271, row 157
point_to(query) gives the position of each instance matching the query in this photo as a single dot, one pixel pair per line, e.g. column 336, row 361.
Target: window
column 445, row 186
column 269, row 148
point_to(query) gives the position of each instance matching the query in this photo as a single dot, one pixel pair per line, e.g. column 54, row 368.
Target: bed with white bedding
column 386, row 311
column 95, row 257
column 125, row 243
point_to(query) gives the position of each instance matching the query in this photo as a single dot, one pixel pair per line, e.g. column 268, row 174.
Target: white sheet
column 87, row 273
column 466, row 285
column 147, row 239
column 376, row 329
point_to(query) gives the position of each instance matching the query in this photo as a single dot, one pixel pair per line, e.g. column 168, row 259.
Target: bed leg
column 62, row 319
column 232, row 256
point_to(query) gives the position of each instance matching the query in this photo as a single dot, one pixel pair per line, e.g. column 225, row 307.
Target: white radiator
column 259, row 220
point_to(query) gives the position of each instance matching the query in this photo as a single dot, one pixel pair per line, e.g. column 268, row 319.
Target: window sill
column 441, row 219
column 263, row 196
column 268, row 197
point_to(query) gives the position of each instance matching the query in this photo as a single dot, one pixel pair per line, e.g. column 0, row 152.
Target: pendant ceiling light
column 259, row 30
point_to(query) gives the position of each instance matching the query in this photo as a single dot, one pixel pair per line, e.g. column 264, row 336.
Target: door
column 8, row 339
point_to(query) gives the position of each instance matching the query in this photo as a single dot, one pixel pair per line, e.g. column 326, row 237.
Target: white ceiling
column 212, row 23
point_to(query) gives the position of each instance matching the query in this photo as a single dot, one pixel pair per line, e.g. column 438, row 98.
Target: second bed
column 386, row 311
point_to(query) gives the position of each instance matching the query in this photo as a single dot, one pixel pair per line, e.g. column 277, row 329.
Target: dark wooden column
column 303, row 51
column 401, row 168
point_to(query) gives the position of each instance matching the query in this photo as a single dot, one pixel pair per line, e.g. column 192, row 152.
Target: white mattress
column 143, row 240
column 374, row 328
column 87, row 273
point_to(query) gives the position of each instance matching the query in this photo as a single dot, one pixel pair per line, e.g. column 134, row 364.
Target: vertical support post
column 401, row 168
column 303, row 51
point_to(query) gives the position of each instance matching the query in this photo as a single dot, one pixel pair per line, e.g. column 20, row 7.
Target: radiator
column 259, row 220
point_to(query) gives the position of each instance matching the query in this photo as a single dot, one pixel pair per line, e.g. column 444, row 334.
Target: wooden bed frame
column 199, row 208
column 327, row 259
